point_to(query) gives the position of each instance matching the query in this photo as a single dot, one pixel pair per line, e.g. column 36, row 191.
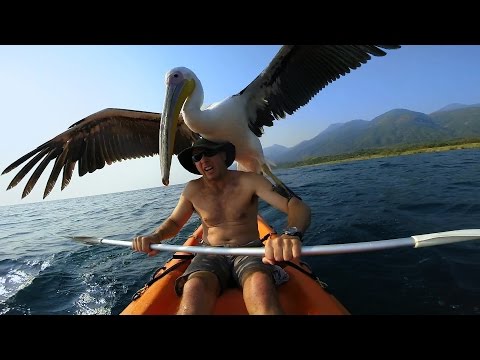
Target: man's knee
column 257, row 277
column 260, row 294
column 204, row 281
column 199, row 294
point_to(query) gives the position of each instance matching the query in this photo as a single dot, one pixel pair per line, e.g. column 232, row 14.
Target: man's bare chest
column 217, row 208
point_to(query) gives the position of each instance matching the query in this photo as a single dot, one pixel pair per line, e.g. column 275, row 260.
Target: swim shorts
column 230, row 269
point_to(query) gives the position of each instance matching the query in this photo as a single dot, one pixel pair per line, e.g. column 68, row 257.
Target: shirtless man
column 227, row 203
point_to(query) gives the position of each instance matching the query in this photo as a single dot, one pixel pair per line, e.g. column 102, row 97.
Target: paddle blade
column 86, row 240
column 446, row 237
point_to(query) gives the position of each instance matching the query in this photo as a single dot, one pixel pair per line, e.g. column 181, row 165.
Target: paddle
column 416, row 241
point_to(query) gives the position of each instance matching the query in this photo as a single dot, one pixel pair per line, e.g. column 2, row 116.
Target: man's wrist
column 158, row 235
column 293, row 231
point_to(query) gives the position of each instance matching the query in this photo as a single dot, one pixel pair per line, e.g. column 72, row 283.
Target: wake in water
column 17, row 276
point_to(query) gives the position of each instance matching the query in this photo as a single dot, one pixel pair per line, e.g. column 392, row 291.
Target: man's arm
column 299, row 214
column 168, row 229
column 283, row 247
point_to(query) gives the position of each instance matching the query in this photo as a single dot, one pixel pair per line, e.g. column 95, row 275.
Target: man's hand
column 142, row 243
column 281, row 248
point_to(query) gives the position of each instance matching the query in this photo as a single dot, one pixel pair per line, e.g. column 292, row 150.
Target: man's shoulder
column 251, row 180
column 191, row 185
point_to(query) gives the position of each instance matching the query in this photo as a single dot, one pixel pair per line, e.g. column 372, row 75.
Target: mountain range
column 395, row 128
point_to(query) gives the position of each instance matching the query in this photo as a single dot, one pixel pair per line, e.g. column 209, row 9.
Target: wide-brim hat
column 185, row 156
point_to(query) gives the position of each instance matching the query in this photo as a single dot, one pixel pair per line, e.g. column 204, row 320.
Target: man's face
column 209, row 163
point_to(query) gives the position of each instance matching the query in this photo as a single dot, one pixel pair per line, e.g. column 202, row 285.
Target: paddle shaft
column 413, row 241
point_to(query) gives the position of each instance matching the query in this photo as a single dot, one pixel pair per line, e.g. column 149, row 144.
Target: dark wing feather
column 184, row 137
column 297, row 73
column 102, row 138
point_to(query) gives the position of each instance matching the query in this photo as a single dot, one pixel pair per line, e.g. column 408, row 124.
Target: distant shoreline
column 375, row 154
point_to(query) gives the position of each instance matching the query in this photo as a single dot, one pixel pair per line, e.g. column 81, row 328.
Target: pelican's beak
column 177, row 93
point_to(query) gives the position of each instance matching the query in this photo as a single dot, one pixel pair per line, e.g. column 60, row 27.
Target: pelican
column 293, row 77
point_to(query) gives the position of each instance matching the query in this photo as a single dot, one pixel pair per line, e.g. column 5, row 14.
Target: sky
column 45, row 89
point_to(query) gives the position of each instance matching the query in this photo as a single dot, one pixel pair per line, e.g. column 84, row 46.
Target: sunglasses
column 208, row 152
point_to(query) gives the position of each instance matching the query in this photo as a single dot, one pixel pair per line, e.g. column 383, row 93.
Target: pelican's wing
column 298, row 73
column 107, row 136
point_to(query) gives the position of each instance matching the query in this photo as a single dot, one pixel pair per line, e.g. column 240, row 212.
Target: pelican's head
column 180, row 84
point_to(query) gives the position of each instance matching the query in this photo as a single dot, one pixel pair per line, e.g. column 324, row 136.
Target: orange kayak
column 303, row 294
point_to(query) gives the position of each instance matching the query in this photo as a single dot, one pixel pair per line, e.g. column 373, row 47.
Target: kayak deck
column 302, row 294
